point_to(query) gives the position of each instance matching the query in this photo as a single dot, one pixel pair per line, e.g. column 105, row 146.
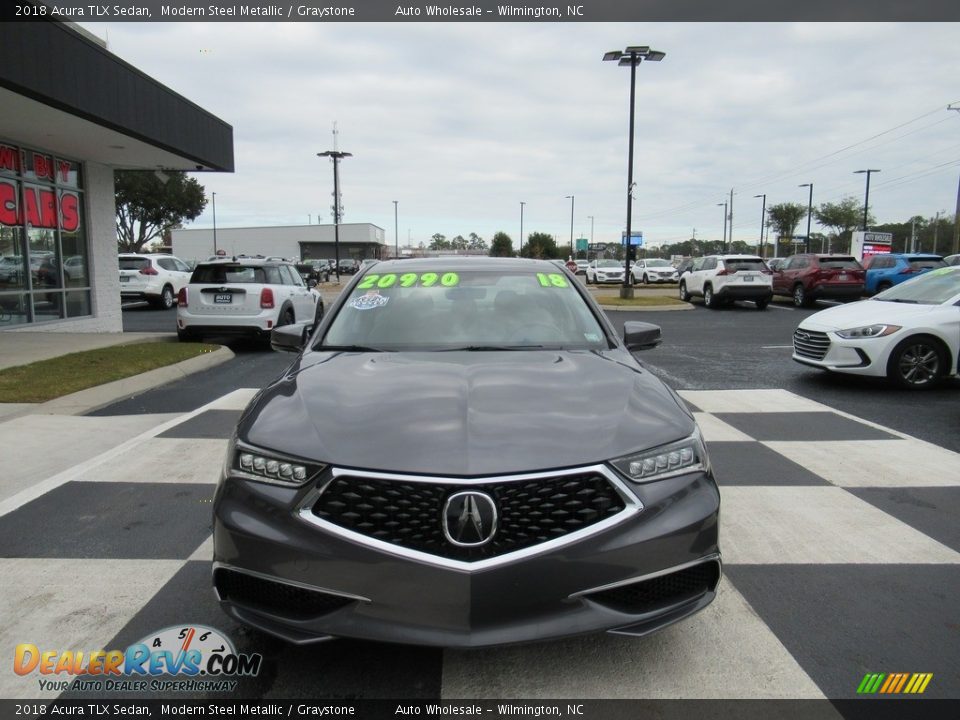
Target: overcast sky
column 462, row 122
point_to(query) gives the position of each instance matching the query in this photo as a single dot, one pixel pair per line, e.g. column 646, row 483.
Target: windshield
column 133, row 263
column 744, row 264
column 839, row 263
column 235, row 274
column 933, row 288
column 658, row 263
column 608, row 263
column 925, row 263
column 476, row 310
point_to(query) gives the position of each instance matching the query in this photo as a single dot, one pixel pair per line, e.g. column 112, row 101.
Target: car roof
column 242, row 260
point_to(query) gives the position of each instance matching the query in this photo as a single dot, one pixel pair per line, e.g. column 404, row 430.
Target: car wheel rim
column 919, row 365
column 168, row 298
column 798, row 296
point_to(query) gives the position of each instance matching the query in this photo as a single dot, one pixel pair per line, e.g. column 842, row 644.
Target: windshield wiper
column 491, row 348
column 348, row 348
column 900, row 300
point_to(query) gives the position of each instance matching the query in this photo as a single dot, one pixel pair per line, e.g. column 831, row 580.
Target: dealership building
column 71, row 113
column 359, row 241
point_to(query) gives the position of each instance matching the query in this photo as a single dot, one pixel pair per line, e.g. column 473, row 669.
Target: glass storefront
column 44, row 256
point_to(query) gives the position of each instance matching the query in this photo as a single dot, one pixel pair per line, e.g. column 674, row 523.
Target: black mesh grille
column 660, row 592
column 275, row 597
column 409, row 514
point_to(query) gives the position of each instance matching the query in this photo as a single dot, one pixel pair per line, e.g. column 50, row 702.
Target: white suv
column 245, row 296
column 154, row 277
column 721, row 279
column 604, row 271
column 653, row 270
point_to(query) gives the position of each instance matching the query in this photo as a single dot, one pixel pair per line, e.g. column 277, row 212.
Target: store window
column 44, row 255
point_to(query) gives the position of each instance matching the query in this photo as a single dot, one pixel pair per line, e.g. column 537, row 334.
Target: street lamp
column 632, row 56
column 336, row 156
column 214, row 195
column 866, row 197
column 724, row 224
column 763, row 217
column 591, row 227
column 522, row 203
column 809, row 211
column 396, row 231
column 571, row 222
column 936, row 229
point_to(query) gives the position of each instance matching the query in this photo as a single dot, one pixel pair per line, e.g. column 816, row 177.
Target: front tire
column 646, row 280
column 684, row 295
column 917, row 363
column 762, row 304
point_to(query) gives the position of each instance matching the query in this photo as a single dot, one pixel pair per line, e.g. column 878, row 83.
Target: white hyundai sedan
column 909, row 333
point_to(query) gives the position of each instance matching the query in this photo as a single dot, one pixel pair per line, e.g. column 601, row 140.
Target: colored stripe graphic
column 894, row 683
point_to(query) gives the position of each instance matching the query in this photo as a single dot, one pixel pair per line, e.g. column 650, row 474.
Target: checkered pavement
column 840, row 542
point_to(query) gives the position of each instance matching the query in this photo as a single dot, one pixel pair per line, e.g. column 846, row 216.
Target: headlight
column 868, row 331
column 665, row 461
column 253, row 463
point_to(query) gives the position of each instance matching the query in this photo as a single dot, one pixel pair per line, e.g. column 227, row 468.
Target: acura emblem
column 469, row 518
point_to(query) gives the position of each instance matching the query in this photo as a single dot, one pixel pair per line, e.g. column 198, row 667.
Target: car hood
column 465, row 413
column 864, row 312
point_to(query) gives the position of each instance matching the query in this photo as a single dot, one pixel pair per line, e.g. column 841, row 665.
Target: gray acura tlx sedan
column 464, row 453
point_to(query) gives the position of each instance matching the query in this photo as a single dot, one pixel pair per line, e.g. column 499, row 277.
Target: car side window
column 181, row 266
column 709, row 263
column 697, row 264
column 166, row 264
column 286, row 275
column 295, row 276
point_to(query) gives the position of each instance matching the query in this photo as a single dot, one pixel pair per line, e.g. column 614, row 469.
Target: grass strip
column 53, row 378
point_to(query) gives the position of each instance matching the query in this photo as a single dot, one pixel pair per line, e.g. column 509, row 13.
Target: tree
column 501, row 246
column 841, row 217
column 149, row 203
column 439, row 242
column 540, row 245
column 784, row 219
column 477, row 242
column 459, row 243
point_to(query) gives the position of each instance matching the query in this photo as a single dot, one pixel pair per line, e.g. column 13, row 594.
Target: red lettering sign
column 64, row 171
column 9, row 158
column 40, row 207
column 8, row 204
column 69, row 212
column 43, row 166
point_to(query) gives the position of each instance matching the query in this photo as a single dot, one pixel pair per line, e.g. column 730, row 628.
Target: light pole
column 724, row 225
column 632, row 56
column 866, row 197
column 591, row 227
column 522, row 203
column 214, row 196
column 763, row 217
column 571, row 223
column 396, row 231
column 336, row 156
column 936, row 229
column 809, row 212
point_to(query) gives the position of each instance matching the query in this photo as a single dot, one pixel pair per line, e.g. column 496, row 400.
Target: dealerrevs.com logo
column 894, row 683
column 182, row 658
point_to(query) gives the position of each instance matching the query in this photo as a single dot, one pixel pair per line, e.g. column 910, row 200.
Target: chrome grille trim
column 811, row 344
column 631, row 506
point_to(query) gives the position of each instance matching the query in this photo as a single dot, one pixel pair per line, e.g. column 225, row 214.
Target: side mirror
column 311, row 283
column 641, row 335
column 289, row 338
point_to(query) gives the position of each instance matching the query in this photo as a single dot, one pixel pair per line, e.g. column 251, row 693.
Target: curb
column 94, row 398
column 647, row 308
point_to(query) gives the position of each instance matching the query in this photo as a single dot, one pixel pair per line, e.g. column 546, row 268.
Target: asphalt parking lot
column 839, row 533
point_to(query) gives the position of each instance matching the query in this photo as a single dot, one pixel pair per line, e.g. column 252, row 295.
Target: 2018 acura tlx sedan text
column 464, row 453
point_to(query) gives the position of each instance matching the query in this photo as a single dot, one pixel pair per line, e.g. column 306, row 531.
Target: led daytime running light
column 270, row 468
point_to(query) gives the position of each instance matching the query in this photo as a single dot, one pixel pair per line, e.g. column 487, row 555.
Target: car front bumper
column 822, row 348
column 278, row 569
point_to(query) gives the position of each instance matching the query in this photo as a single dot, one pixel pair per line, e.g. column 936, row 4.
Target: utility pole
column 913, row 235
column 956, row 214
column 731, row 222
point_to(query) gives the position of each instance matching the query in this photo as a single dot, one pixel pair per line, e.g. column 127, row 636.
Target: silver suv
column 245, row 296
column 722, row 279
